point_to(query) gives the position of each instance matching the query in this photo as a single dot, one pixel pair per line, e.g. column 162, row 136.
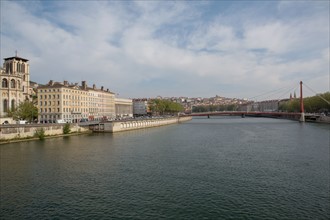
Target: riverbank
column 18, row 133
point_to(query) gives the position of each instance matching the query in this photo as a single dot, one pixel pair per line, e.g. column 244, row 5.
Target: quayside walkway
column 118, row 126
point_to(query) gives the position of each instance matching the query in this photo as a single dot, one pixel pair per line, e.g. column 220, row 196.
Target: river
column 217, row 168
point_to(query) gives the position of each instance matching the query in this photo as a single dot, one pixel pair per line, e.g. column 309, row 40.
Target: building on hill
column 73, row 103
column 15, row 82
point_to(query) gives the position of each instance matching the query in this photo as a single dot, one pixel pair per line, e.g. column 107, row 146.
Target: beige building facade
column 15, row 79
column 65, row 102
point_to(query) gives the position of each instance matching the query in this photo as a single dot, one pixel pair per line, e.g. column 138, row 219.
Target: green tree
column 161, row 107
column 24, row 111
column 311, row 104
column 66, row 129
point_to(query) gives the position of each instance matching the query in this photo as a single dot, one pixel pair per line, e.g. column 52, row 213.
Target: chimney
column 84, row 85
column 65, row 83
column 107, row 90
column 102, row 88
column 94, row 87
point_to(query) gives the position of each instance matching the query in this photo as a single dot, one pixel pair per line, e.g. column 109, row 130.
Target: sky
column 237, row 49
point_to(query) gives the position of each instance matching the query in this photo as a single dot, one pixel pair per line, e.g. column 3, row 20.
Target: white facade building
column 124, row 107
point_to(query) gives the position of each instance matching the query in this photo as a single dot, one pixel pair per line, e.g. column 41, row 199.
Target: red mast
column 302, row 117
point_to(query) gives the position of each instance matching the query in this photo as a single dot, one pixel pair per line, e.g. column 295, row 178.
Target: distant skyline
column 142, row 49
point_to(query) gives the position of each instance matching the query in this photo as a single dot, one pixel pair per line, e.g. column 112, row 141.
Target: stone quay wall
column 118, row 126
column 11, row 132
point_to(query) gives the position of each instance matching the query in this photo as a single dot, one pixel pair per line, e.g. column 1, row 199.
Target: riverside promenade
column 118, row 126
column 18, row 132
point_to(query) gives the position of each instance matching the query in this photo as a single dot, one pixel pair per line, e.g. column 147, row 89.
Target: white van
column 22, row 122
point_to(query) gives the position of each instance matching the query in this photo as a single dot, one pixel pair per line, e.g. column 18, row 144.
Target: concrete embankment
column 118, row 126
column 25, row 132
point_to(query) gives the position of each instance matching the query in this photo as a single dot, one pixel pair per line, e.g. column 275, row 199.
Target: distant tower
column 15, row 82
column 294, row 95
column 290, row 96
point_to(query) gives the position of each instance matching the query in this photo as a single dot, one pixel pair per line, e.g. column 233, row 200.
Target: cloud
column 145, row 49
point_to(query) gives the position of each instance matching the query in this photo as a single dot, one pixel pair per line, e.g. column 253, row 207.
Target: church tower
column 15, row 82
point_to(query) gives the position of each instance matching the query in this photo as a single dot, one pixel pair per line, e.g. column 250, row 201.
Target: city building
column 15, row 79
column 67, row 102
column 124, row 107
column 140, row 107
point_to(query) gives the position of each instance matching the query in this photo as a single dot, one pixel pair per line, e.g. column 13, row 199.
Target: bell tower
column 15, row 83
column 18, row 67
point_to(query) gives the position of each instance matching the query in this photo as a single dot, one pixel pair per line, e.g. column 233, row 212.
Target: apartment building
column 67, row 102
column 124, row 107
column 14, row 78
column 140, row 107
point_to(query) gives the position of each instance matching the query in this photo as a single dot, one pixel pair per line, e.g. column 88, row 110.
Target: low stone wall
column 25, row 131
column 324, row 119
column 117, row 126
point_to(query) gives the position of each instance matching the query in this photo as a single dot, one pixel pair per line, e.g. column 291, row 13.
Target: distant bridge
column 288, row 115
column 301, row 116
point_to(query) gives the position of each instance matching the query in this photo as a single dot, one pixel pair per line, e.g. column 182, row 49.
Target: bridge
column 301, row 116
column 283, row 115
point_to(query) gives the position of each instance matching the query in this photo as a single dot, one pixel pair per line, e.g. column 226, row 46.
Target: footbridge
column 295, row 115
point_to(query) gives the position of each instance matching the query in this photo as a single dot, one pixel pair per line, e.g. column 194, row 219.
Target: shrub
column 40, row 133
column 66, row 129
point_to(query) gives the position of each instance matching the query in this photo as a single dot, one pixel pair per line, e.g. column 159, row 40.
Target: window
column 13, row 104
column 5, row 105
column 18, row 84
column 12, row 83
column 4, row 83
column 40, row 103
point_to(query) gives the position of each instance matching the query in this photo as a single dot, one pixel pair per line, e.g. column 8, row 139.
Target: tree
column 161, row 107
column 311, row 104
column 24, row 111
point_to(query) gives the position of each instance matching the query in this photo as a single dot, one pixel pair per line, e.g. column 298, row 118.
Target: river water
column 218, row 168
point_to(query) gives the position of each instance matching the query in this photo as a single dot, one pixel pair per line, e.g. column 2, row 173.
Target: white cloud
column 126, row 46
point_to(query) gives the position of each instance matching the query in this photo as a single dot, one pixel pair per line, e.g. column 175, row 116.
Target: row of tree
column 318, row 103
column 163, row 107
column 212, row 108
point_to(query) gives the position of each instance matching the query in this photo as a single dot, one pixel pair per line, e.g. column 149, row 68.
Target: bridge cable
column 316, row 93
column 294, row 88
column 273, row 92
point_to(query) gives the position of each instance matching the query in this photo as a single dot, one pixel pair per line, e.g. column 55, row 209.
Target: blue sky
column 174, row 48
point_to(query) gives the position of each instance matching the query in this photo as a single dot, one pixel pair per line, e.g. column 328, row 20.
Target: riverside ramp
column 118, row 126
